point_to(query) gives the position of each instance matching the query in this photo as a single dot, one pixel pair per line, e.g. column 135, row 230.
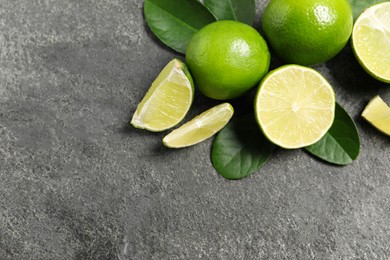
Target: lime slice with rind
column 168, row 99
column 294, row 106
column 377, row 113
column 200, row 127
column 371, row 41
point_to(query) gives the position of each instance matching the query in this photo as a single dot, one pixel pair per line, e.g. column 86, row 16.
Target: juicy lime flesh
column 307, row 32
column 227, row 58
column 295, row 106
column 371, row 40
column 167, row 101
column 201, row 127
column 377, row 112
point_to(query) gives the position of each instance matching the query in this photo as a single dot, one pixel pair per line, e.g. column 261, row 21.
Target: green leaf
column 239, row 10
column 175, row 21
column 341, row 144
column 359, row 5
column 240, row 148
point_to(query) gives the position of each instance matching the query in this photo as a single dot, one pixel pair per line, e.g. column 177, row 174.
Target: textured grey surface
column 77, row 182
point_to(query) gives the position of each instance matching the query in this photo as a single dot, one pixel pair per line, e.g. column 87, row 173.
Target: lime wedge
column 200, row 127
column 371, row 40
column 168, row 99
column 294, row 106
column 377, row 112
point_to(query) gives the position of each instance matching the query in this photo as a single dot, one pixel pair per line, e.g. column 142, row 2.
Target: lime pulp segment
column 377, row 112
column 200, row 127
column 371, row 40
column 295, row 106
column 167, row 101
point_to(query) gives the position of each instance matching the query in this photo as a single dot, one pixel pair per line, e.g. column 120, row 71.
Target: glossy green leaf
column 175, row 21
column 240, row 148
column 359, row 5
column 239, row 10
column 341, row 145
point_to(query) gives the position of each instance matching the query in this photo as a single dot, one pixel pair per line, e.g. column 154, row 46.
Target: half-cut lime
column 200, row 127
column 377, row 112
column 168, row 99
column 294, row 106
column 371, row 40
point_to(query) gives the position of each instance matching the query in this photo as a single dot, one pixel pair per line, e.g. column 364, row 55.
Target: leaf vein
column 339, row 146
column 174, row 17
column 232, row 9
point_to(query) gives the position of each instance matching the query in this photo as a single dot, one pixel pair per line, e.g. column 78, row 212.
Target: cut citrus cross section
column 294, row 106
column 168, row 99
column 200, row 127
column 371, row 40
column 377, row 112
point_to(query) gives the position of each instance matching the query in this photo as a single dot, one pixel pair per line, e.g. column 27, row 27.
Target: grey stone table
column 77, row 182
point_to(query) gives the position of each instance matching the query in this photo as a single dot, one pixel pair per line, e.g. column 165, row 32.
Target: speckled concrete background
column 77, row 182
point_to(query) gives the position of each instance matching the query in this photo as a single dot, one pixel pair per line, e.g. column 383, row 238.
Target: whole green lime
column 307, row 32
column 226, row 59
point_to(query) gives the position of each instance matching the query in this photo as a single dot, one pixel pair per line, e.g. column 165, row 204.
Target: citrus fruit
column 227, row 58
column 307, row 32
column 377, row 112
column 371, row 41
column 200, row 127
column 294, row 106
column 168, row 99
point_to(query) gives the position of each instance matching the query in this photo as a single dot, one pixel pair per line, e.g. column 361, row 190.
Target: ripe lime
column 167, row 100
column 227, row 58
column 371, row 41
column 307, row 32
column 294, row 106
column 377, row 112
column 200, row 127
